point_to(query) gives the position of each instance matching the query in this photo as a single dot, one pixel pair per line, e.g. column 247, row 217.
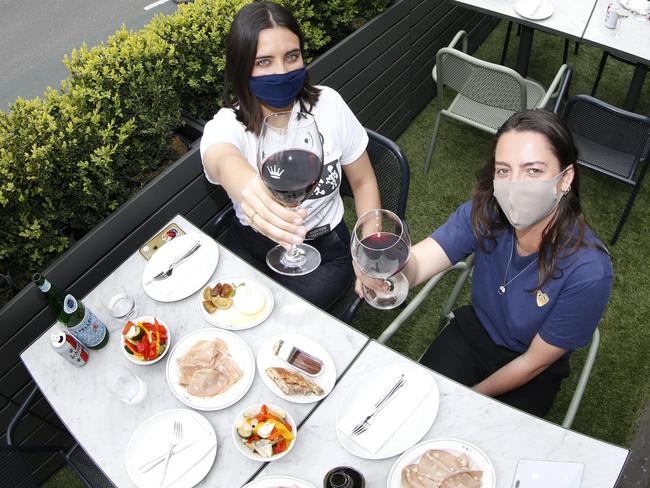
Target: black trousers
column 324, row 286
column 464, row 352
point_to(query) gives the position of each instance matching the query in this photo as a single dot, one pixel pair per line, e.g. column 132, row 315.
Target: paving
column 635, row 473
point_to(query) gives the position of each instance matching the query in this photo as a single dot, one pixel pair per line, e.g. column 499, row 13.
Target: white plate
column 411, row 430
column 189, row 276
column 266, row 359
column 528, row 9
column 240, row 353
column 478, row 460
column 231, row 318
column 151, row 439
column 275, row 481
column 150, row 319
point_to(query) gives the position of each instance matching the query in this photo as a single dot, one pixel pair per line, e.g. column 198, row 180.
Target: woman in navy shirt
column 541, row 279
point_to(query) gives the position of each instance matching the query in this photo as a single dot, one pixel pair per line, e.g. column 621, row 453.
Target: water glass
column 125, row 384
column 120, row 305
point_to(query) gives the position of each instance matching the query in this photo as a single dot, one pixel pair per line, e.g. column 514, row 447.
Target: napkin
column 183, row 273
column 393, row 415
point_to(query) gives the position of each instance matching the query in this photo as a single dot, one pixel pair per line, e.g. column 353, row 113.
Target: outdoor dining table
column 103, row 425
column 503, row 433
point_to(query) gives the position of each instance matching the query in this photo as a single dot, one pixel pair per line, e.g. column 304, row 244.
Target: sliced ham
column 441, row 469
column 207, row 369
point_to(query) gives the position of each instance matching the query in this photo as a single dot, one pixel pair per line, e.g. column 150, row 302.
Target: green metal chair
column 487, row 93
column 465, row 268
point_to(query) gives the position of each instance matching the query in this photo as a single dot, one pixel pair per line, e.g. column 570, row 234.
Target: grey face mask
column 527, row 202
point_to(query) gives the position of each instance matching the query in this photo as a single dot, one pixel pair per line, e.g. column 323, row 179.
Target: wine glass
column 290, row 161
column 380, row 248
column 623, row 14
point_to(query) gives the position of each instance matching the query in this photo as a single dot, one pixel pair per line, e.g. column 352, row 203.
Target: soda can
column 611, row 16
column 70, row 348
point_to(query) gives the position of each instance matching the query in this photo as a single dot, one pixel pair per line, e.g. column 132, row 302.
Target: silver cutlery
column 198, row 461
column 149, row 465
column 163, row 275
column 177, row 435
column 362, row 426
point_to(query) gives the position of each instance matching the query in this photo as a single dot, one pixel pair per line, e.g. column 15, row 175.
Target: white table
column 503, row 433
column 633, row 44
column 569, row 19
column 103, row 425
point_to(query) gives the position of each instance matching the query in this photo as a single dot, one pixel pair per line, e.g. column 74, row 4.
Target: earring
column 567, row 189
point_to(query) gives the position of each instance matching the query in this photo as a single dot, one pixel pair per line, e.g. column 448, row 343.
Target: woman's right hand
column 277, row 222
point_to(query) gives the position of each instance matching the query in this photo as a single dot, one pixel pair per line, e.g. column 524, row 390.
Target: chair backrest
column 609, row 139
column 487, row 83
column 391, row 170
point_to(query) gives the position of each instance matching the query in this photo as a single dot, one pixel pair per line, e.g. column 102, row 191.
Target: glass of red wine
column 290, row 161
column 380, row 247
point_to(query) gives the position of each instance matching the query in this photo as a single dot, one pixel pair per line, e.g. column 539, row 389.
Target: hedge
column 71, row 157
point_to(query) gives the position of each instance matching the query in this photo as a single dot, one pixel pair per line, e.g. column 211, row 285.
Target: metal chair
column 465, row 267
column 611, row 141
column 487, row 93
column 15, row 471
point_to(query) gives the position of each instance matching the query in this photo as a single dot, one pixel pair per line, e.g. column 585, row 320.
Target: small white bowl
column 253, row 455
column 150, row 319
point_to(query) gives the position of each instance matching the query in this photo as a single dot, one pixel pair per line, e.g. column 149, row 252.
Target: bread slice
column 293, row 383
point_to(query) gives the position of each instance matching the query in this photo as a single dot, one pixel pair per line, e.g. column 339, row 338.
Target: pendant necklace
column 502, row 288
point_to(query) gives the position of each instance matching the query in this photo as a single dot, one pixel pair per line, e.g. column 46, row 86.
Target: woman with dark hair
column 541, row 278
column 265, row 74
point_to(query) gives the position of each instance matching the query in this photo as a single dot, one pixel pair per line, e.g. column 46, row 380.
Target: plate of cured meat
column 210, row 369
column 442, row 463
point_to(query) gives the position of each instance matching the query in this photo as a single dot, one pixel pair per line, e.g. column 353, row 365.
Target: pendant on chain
column 502, row 290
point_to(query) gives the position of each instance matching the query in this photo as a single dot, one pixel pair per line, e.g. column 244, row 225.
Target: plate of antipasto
column 235, row 303
column 210, row 369
column 296, row 368
column 442, row 462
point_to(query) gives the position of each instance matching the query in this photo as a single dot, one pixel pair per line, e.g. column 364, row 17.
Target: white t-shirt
column 344, row 141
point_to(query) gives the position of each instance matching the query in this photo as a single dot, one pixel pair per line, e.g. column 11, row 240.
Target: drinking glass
column 290, row 161
column 623, row 14
column 125, row 384
column 380, row 247
column 120, row 305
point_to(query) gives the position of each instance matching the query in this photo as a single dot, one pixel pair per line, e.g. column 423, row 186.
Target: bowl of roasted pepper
column 145, row 340
column 264, row 432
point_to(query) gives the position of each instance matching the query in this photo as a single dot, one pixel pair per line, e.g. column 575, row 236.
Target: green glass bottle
column 54, row 294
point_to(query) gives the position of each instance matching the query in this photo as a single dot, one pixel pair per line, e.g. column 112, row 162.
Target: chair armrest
column 219, row 222
column 559, row 84
column 460, row 35
column 582, row 381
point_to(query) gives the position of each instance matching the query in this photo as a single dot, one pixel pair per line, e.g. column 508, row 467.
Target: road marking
column 155, row 4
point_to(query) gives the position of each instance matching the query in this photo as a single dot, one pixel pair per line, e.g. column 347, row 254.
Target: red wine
column 382, row 255
column 291, row 175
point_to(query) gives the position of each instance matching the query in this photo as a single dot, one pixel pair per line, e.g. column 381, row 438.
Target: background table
column 103, row 425
column 503, row 433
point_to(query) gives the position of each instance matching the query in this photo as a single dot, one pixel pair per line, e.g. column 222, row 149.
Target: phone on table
column 160, row 239
column 547, row 474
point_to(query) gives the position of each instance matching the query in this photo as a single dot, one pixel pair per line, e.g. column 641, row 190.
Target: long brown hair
column 241, row 49
column 565, row 233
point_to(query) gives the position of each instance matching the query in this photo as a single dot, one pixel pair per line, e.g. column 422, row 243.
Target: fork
column 163, row 275
column 362, row 426
column 177, row 435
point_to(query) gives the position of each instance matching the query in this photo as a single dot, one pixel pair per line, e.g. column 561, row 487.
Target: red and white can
column 70, row 348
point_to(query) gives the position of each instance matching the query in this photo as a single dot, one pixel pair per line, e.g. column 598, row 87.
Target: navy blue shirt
column 577, row 293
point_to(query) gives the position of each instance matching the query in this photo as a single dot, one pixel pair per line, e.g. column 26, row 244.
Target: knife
column 155, row 462
column 195, row 464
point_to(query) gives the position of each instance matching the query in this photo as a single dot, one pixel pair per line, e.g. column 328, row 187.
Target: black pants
column 464, row 352
column 324, row 286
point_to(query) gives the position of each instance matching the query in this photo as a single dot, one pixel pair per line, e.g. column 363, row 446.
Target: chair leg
column 601, row 68
column 575, row 49
column 504, row 51
column 628, row 207
column 565, row 53
column 432, row 146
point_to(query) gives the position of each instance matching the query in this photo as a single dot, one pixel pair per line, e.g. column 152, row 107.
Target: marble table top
column 103, row 425
column 503, row 433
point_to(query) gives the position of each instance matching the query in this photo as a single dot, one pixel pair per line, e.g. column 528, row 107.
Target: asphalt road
column 35, row 35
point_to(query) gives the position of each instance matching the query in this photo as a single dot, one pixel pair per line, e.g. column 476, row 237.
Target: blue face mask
column 278, row 91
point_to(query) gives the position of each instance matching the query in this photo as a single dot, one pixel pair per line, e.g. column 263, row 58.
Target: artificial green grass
column 618, row 391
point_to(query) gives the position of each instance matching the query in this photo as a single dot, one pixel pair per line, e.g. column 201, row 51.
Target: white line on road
column 155, row 4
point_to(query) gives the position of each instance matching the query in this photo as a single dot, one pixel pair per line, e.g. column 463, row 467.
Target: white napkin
column 393, row 415
column 183, row 273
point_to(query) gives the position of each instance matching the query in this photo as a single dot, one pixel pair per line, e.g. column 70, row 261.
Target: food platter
column 241, row 355
column 266, row 359
column 232, row 318
column 478, row 460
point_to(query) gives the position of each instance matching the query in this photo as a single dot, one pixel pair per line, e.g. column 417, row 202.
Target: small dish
column 255, row 413
column 150, row 330
column 275, row 481
column 534, row 9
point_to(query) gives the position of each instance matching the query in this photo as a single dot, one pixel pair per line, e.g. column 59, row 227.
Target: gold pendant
column 542, row 298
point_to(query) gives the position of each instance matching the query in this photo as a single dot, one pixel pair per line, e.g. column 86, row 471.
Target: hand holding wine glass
column 380, row 248
column 290, row 160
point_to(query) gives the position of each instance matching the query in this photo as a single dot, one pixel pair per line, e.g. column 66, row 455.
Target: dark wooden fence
column 383, row 71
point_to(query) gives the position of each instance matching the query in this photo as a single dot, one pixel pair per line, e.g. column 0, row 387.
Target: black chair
column 611, row 141
column 603, row 62
column 15, row 472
